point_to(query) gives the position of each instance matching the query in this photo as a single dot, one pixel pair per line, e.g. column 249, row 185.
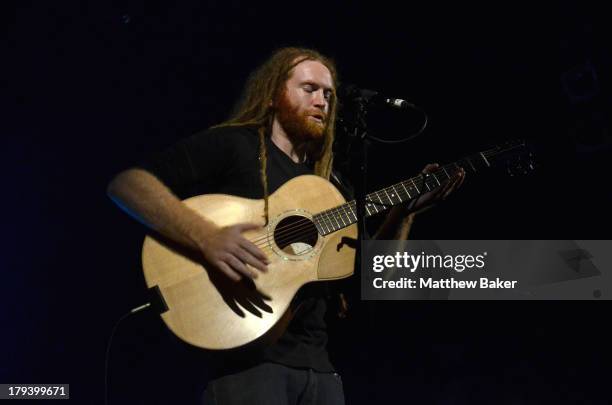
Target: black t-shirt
column 226, row 160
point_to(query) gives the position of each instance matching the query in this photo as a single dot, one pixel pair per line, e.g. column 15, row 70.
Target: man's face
column 304, row 105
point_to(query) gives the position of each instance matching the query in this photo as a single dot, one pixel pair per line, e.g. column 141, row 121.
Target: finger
column 457, row 183
column 444, row 186
column 225, row 269
column 443, row 190
column 247, row 227
column 249, row 259
column 448, row 192
column 462, row 178
column 412, row 204
column 430, row 167
column 240, row 267
column 452, row 188
column 434, row 195
column 251, row 248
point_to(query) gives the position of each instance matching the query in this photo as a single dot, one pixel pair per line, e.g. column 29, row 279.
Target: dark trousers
column 275, row 384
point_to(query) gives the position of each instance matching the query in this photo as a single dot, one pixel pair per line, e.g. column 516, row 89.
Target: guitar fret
column 370, row 204
column 352, row 209
column 331, row 223
column 320, row 223
column 391, row 201
column 447, row 175
column 326, row 224
column 409, row 196
column 341, row 219
column 352, row 212
column 415, row 186
column 347, row 210
column 436, row 177
column 427, row 185
column 470, row 163
column 336, row 219
column 397, row 194
column 485, row 159
column 342, row 213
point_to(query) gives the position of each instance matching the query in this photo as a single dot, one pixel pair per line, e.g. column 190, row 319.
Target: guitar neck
column 334, row 219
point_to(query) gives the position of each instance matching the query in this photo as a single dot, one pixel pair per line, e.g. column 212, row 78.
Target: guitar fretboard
column 334, row 219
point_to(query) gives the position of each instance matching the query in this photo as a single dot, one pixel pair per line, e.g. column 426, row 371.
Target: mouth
column 317, row 117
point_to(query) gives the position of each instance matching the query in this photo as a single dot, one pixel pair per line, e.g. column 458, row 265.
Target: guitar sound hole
column 295, row 235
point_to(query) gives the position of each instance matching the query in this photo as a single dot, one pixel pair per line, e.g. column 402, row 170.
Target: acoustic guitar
column 308, row 238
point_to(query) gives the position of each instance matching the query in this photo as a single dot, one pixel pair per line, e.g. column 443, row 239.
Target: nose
column 319, row 100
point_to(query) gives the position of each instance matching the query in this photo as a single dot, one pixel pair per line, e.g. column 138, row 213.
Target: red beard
column 299, row 126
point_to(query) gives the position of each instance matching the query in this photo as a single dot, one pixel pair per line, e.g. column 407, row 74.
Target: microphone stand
column 359, row 165
column 360, row 140
column 358, row 103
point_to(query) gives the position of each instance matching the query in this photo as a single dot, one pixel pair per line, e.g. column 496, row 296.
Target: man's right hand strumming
column 230, row 252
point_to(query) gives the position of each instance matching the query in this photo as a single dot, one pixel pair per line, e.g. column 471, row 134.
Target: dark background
column 90, row 87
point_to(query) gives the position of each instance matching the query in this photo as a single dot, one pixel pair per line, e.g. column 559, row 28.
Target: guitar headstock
column 517, row 156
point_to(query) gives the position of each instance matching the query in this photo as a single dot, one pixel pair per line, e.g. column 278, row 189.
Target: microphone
column 374, row 97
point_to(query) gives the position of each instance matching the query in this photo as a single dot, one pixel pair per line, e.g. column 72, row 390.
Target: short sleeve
column 198, row 162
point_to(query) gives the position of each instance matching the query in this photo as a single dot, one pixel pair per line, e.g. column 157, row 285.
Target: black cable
column 419, row 132
column 108, row 346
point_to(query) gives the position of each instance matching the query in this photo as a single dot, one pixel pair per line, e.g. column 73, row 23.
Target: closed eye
column 311, row 88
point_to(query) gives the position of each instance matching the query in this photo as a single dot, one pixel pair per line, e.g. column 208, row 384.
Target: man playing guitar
column 283, row 127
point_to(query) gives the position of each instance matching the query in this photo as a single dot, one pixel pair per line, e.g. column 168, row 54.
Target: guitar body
column 207, row 309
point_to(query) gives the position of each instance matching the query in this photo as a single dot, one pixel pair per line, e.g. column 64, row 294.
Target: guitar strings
column 288, row 232
column 292, row 230
column 304, row 223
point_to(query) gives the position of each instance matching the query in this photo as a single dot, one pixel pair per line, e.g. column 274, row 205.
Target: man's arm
column 148, row 200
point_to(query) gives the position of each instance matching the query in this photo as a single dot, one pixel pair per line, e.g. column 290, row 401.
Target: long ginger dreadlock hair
column 256, row 107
